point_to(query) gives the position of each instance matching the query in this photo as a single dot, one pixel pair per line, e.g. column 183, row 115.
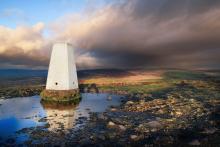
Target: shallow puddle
column 26, row 112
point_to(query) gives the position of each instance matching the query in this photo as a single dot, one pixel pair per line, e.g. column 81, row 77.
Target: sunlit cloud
column 23, row 46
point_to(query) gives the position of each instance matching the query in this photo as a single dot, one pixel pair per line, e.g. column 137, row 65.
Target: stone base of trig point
column 61, row 96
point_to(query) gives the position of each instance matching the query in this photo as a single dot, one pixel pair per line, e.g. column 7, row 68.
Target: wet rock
column 134, row 137
column 44, row 119
column 101, row 116
column 111, row 124
column 47, row 125
column 129, row 102
column 111, row 135
column 195, row 143
column 113, row 109
column 182, row 83
column 154, row 124
column 122, row 128
column 177, row 113
column 87, row 109
column 141, row 102
column 142, row 128
column 109, row 98
column 85, row 141
column 209, row 130
column 102, row 137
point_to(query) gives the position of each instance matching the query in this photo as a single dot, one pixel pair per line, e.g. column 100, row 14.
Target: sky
column 112, row 33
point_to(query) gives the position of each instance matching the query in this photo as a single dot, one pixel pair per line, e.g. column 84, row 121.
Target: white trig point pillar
column 62, row 82
column 62, row 69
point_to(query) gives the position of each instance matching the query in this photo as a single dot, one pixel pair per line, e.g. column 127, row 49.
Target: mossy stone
column 61, row 96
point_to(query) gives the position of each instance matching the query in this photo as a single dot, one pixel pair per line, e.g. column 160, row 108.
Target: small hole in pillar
column 73, row 83
column 56, row 83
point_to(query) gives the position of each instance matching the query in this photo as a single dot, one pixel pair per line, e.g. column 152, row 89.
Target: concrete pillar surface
column 62, row 73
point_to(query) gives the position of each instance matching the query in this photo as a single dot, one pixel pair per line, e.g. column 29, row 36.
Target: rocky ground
column 184, row 112
column 11, row 87
column 25, row 91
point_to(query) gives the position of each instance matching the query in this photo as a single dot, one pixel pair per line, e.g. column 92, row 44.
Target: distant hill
column 16, row 77
column 21, row 73
column 26, row 73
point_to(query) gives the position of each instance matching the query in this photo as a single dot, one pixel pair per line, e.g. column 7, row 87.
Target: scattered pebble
column 134, row 137
column 129, row 102
column 154, row 124
column 113, row 109
column 109, row 98
column 209, row 130
column 111, row 124
column 194, row 143
column 122, row 128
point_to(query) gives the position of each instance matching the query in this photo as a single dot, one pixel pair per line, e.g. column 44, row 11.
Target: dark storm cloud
column 171, row 8
column 20, row 59
column 160, row 33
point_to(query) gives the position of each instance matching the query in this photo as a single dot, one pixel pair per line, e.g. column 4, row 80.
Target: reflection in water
column 60, row 117
column 65, row 117
column 20, row 113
